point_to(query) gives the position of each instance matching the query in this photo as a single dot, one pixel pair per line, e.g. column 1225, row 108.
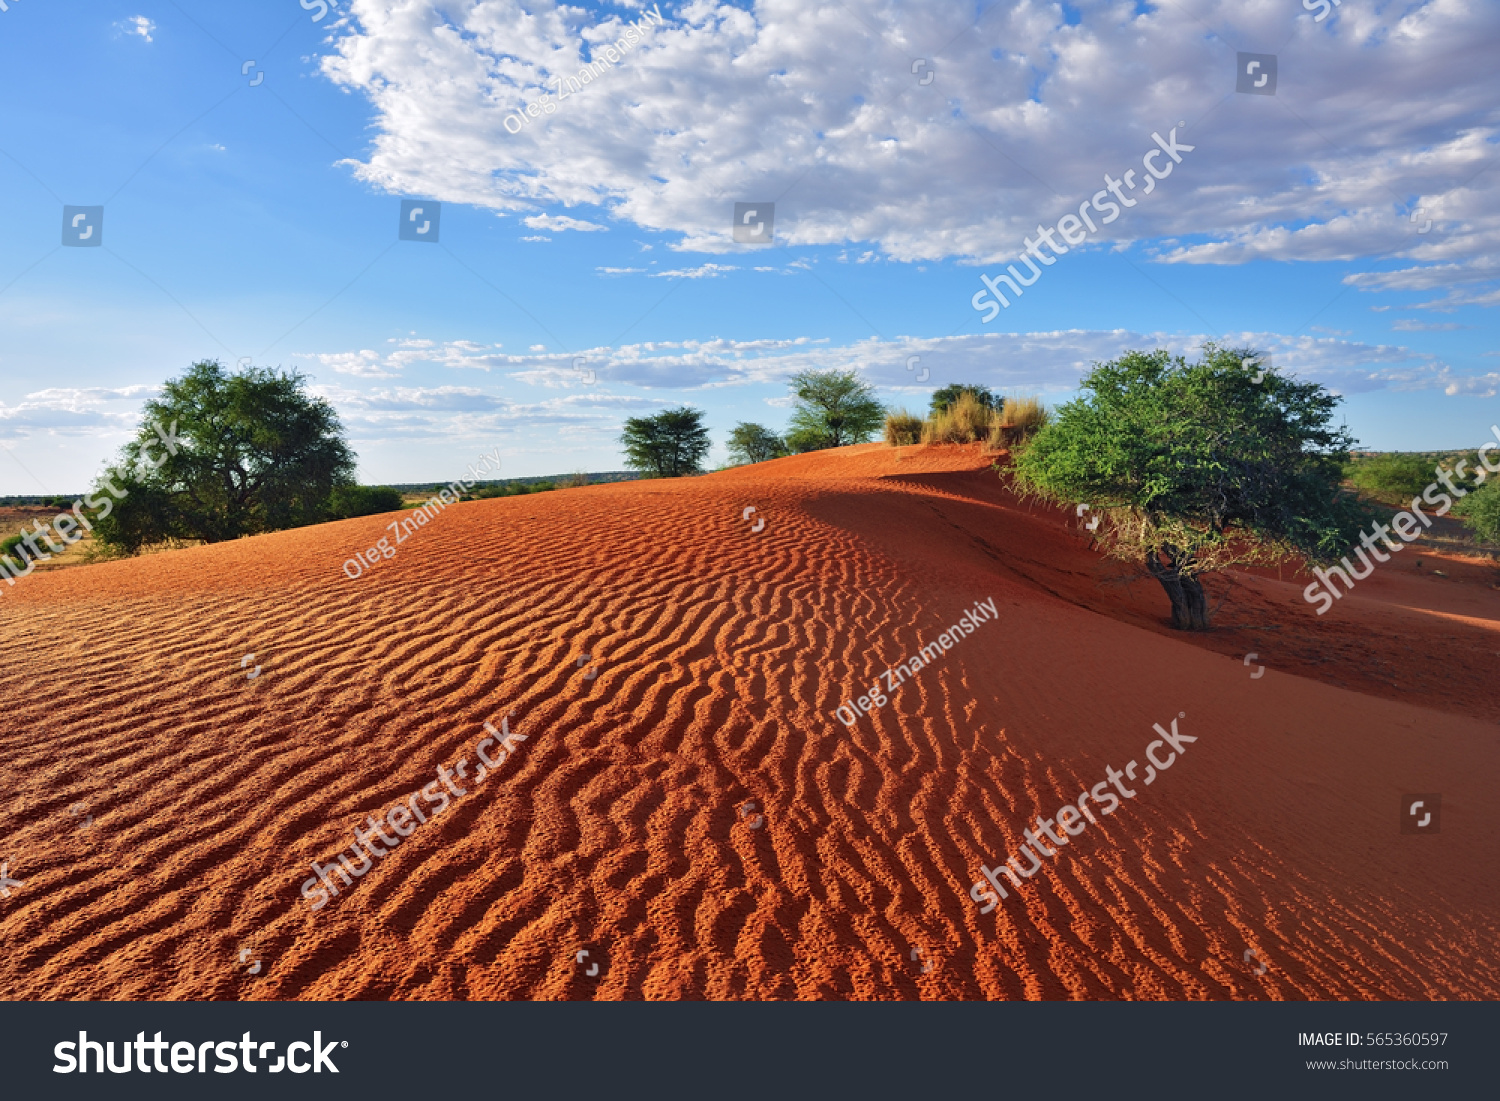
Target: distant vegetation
column 512, row 489
column 1395, row 478
column 349, row 501
column 1391, row 478
column 754, row 443
column 1196, row 467
column 963, row 419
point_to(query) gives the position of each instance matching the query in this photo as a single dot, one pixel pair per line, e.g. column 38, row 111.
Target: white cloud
column 367, row 363
column 70, row 411
column 703, row 271
column 1037, row 361
column 1407, row 325
column 137, row 25
column 559, row 222
column 1383, row 111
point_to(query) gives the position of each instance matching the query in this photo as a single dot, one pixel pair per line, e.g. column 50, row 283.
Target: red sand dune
column 720, row 654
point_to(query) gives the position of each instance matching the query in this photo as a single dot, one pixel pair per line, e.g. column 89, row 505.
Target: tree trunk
column 1189, row 602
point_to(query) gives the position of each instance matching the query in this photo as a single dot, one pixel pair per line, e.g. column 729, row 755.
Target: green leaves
column 945, row 397
column 833, row 408
column 1202, row 458
column 669, row 445
column 224, row 455
column 754, row 443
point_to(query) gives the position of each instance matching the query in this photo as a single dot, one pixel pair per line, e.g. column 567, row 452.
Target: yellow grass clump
column 1020, row 419
column 902, row 427
column 967, row 420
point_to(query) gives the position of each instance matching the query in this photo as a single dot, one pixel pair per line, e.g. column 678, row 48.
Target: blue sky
column 259, row 219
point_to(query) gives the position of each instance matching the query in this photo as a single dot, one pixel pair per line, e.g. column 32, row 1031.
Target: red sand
column 720, row 655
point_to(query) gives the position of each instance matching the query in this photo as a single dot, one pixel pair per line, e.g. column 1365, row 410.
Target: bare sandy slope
column 718, row 655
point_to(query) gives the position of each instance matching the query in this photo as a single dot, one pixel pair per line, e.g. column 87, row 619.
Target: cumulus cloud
column 74, row 411
column 368, row 363
column 1036, row 361
column 415, row 413
column 1367, row 150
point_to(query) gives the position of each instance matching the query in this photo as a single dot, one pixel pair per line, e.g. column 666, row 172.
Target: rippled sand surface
column 161, row 808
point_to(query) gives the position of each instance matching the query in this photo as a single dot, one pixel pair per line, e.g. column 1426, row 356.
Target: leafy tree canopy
column 670, row 444
column 222, row 455
column 754, row 443
column 833, row 408
column 1196, row 467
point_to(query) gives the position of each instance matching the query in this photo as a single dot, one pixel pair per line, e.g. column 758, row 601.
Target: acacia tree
column 946, row 396
column 833, row 408
column 669, row 445
column 754, row 443
column 223, row 455
column 1197, row 467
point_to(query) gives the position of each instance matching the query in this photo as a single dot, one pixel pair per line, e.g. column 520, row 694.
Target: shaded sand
column 719, row 655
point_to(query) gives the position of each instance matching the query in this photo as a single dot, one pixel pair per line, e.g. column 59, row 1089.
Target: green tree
column 669, row 445
column 1196, row 467
column 754, row 443
column 222, row 455
column 1481, row 511
column 833, row 408
column 942, row 399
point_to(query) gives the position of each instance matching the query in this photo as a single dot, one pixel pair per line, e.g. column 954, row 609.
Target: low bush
column 1019, row 420
column 347, row 502
column 966, row 420
column 902, row 427
column 1481, row 511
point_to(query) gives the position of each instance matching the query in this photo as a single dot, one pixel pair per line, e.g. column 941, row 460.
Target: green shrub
column 1394, row 477
column 1481, row 511
column 13, row 548
column 347, row 502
